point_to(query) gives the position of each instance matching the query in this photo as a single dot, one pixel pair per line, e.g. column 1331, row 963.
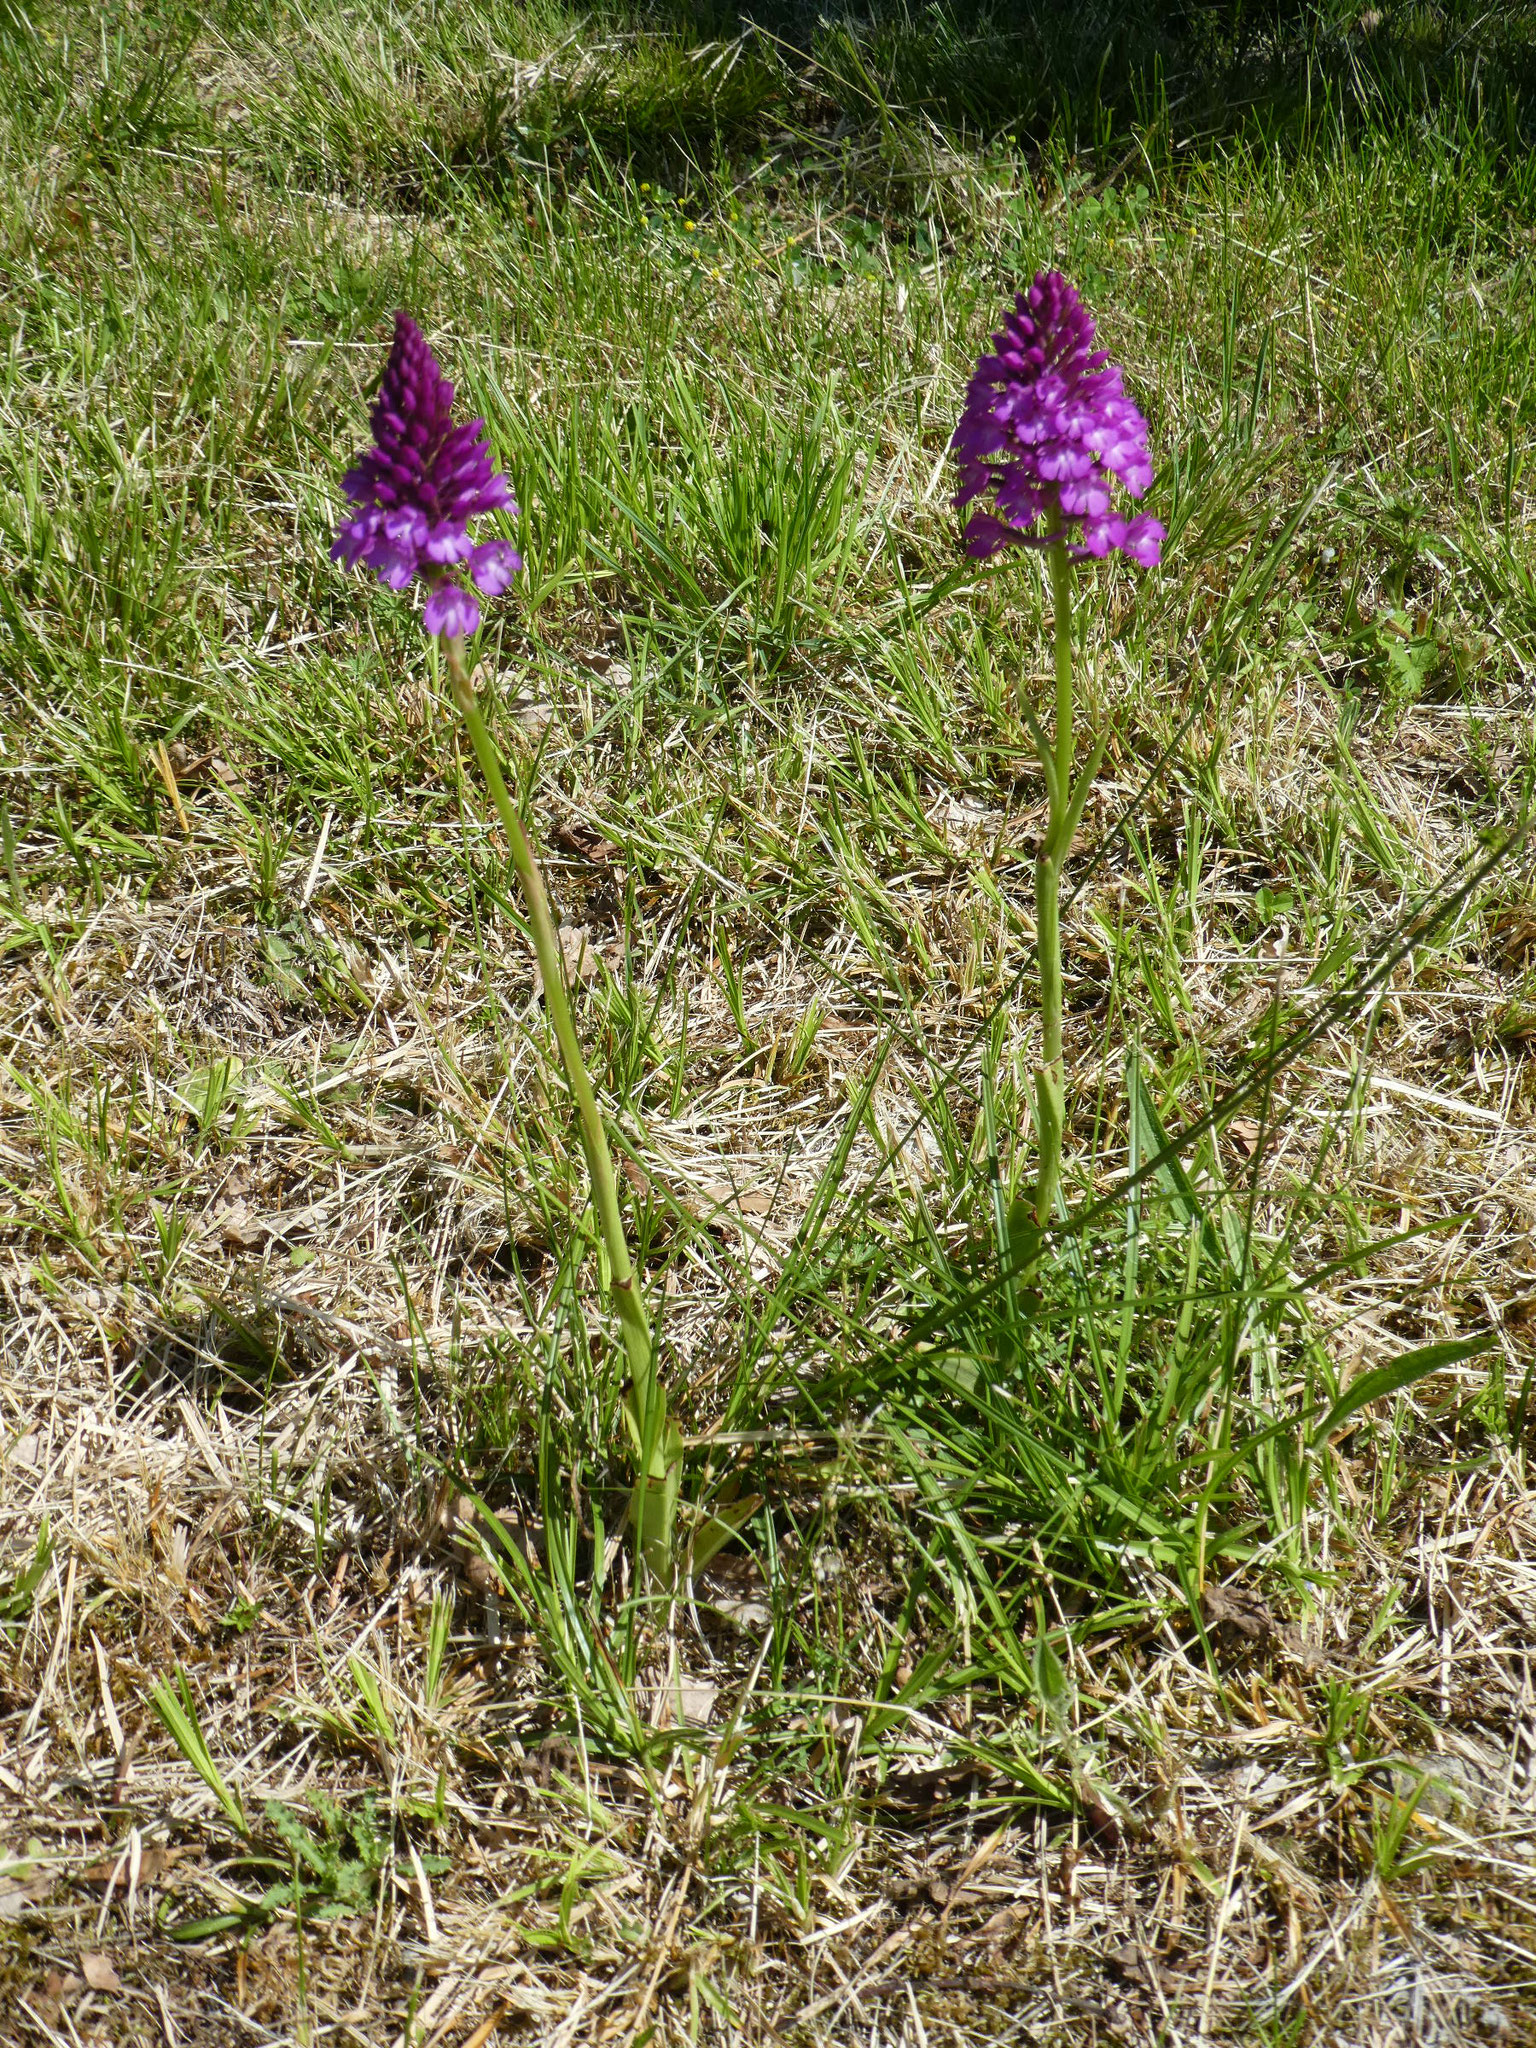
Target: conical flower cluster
column 418, row 487
column 1046, row 427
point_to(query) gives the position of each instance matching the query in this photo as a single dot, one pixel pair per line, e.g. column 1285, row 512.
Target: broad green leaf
column 1396, row 1374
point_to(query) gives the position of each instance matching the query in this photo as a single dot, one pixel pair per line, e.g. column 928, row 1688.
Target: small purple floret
column 492, row 566
column 453, row 610
column 418, row 487
column 1046, row 426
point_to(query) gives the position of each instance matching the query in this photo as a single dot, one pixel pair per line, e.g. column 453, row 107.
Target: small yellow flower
column 645, row 188
column 690, row 225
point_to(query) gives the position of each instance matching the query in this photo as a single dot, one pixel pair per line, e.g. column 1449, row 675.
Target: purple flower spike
column 1046, row 427
column 418, row 487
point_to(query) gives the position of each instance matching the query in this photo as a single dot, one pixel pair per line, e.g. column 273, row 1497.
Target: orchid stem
column 1065, row 806
column 648, row 1421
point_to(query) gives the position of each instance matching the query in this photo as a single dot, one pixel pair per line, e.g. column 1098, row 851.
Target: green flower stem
column 1061, row 600
column 1066, row 802
column 1050, row 1082
column 648, row 1418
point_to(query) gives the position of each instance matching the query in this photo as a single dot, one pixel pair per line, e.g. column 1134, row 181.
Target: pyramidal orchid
column 415, row 491
column 1046, row 431
column 1046, row 437
column 418, row 487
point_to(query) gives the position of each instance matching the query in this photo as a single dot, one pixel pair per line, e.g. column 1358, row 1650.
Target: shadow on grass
column 665, row 88
column 238, row 1353
column 524, row 102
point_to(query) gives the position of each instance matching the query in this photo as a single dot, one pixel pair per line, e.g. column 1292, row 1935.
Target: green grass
column 307, row 1364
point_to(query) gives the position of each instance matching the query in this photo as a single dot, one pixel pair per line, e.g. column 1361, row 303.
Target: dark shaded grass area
column 507, row 93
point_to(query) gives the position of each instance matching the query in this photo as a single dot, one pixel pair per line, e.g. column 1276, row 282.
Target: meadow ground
column 1132, row 1646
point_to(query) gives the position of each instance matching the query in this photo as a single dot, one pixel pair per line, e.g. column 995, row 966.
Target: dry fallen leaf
column 745, row 1616
column 686, row 1701
column 19, row 1891
column 533, row 718
column 1229, row 1608
column 1007, row 1921
column 482, row 1575
column 724, row 1194
column 583, row 843
column 155, row 1860
column 578, row 954
column 237, row 1226
column 99, row 1973
column 56, row 1989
